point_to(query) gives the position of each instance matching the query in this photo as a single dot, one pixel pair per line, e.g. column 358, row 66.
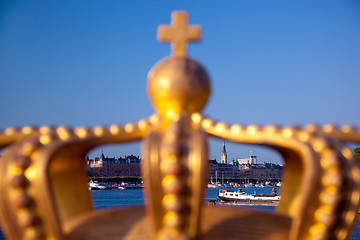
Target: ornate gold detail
column 179, row 33
column 43, row 182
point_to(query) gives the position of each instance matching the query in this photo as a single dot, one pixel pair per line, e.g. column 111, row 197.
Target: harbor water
column 131, row 197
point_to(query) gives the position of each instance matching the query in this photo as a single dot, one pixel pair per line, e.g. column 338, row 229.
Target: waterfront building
column 114, row 167
column 251, row 160
column 130, row 166
column 252, row 171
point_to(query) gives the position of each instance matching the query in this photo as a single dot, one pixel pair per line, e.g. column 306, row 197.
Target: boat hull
column 243, row 198
column 248, row 201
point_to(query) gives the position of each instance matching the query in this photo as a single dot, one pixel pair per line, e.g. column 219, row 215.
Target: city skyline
column 85, row 63
column 260, row 161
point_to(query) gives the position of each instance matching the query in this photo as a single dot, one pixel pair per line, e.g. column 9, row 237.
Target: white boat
column 259, row 185
column 96, row 186
column 226, row 195
column 131, row 186
column 211, row 185
column 248, row 185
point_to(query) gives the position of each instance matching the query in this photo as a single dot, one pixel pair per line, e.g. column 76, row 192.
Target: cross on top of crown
column 179, row 33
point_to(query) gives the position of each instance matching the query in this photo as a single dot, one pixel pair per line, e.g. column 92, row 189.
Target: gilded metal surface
column 178, row 84
column 176, row 168
column 43, row 182
column 179, row 33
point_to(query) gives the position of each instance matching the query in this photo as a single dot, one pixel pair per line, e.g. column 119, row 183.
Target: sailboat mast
column 216, row 177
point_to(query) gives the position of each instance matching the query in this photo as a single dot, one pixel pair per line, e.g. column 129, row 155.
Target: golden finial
column 179, row 33
column 178, row 83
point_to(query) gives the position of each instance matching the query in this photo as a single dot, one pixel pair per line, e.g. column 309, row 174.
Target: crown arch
column 43, row 183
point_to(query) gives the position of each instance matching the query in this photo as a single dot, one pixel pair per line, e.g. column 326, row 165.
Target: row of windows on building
column 131, row 166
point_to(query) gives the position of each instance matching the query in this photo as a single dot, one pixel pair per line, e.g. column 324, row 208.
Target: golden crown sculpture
column 43, row 182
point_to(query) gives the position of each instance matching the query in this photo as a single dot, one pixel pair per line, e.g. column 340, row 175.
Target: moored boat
column 131, row 186
column 211, row 185
column 226, row 195
column 96, row 186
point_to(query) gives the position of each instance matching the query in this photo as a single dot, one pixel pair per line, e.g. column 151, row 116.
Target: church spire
column 224, row 154
column 102, row 155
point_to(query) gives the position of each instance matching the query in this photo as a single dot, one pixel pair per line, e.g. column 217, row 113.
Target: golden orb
column 178, row 84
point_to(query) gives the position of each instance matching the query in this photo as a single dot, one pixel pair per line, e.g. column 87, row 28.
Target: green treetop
column 357, row 152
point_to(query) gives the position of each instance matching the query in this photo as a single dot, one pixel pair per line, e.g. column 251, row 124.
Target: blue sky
column 270, row 62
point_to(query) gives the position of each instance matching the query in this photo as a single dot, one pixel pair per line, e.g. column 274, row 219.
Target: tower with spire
column 224, row 154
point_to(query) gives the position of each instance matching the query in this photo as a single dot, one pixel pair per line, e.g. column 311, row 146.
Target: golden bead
column 325, row 215
column 116, row 129
column 172, row 168
column 173, row 220
column 333, row 179
column 178, row 149
column 31, row 173
column 196, row 117
column 320, row 144
column 342, row 233
column 355, row 196
column 28, row 130
column 143, row 124
column 318, row 230
column 100, row 131
column 30, row 146
column 27, row 218
column 332, row 189
column 347, row 153
column 271, row 129
column 356, row 174
column 11, row 131
column 349, row 129
column 82, row 132
column 47, row 129
column 22, row 201
column 330, row 128
column 312, row 127
column 236, row 129
column 331, row 160
column 130, row 127
column 33, row 232
column 47, row 139
column 304, row 136
column 172, row 184
column 64, row 132
column 19, row 181
column 290, row 131
column 207, row 123
column 220, row 127
column 253, row 129
column 154, row 119
column 330, row 198
column 172, row 202
column 350, row 216
column 22, row 161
